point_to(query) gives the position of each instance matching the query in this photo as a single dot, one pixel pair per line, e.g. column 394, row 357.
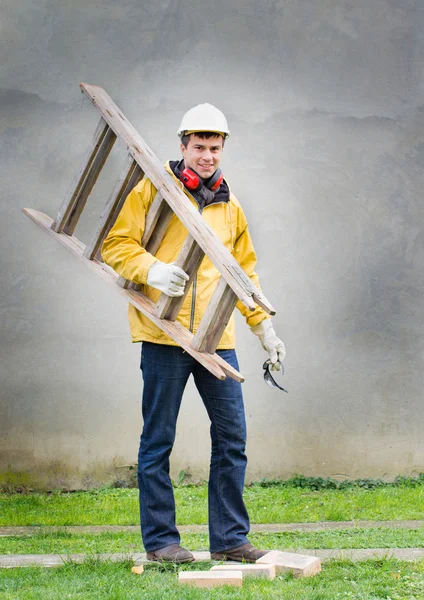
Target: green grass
column 369, row 580
column 275, row 504
column 65, row 542
column 268, row 502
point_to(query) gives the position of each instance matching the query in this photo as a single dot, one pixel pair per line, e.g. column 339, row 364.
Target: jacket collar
column 222, row 194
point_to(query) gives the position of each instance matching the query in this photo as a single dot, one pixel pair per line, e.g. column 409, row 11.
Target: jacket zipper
column 193, row 303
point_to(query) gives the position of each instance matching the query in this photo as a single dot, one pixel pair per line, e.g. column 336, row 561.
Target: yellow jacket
column 122, row 250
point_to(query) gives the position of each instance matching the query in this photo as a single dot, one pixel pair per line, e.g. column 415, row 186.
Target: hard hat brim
column 182, row 132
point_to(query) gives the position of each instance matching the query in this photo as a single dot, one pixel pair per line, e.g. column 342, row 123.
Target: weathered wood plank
column 215, row 364
column 152, row 217
column 130, row 176
column 189, row 260
column 79, row 177
column 74, row 202
column 215, row 318
column 211, row 579
column 175, row 197
column 300, row 565
column 249, row 570
column 157, row 234
column 88, row 184
column 123, row 283
column 139, row 569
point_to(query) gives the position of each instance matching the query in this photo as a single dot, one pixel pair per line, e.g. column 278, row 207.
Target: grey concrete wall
column 324, row 101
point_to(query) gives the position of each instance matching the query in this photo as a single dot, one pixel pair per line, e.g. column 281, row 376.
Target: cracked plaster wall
column 324, row 101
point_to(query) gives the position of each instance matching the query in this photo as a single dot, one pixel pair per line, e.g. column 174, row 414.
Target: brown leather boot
column 245, row 553
column 173, row 553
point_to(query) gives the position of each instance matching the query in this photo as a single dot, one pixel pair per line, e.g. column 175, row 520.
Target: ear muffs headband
column 194, row 182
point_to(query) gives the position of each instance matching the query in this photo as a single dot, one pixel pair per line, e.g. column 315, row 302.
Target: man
column 166, row 367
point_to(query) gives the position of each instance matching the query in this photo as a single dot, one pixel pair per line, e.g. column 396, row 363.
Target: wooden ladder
column 170, row 199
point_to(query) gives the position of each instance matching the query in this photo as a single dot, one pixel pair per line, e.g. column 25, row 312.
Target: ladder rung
column 158, row 232
column 127, row 284
column 73, row 205
column 189, row 260
column 123, row 283
column 215, row 318
column 152, row 217
column 157, row 221
column 130, row 176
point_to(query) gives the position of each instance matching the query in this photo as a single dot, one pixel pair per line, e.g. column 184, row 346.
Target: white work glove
column 271, row 343
column 167, row 278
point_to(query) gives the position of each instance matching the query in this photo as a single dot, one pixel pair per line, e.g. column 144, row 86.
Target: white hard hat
column 204, row 117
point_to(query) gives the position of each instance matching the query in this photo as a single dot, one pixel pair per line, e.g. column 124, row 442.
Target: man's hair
column 203, row 135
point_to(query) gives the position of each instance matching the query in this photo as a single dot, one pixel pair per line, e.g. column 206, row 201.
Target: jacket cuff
column 262, row 327
column 257, row 318
column 148, row 261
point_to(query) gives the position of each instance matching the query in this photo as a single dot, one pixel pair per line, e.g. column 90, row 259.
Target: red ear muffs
column 216, row 180
column 191, row 179
column 194, row 182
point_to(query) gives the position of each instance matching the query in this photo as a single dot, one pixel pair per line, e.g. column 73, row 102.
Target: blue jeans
column 166, row 370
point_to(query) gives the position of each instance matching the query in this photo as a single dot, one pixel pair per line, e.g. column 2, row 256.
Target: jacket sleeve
column 122, row 248
column 245, row 255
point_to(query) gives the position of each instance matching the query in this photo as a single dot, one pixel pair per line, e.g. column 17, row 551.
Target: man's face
column 203, row 155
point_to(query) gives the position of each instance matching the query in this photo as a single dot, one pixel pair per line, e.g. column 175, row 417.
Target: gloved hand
column 271, row 343
column 167, row 278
